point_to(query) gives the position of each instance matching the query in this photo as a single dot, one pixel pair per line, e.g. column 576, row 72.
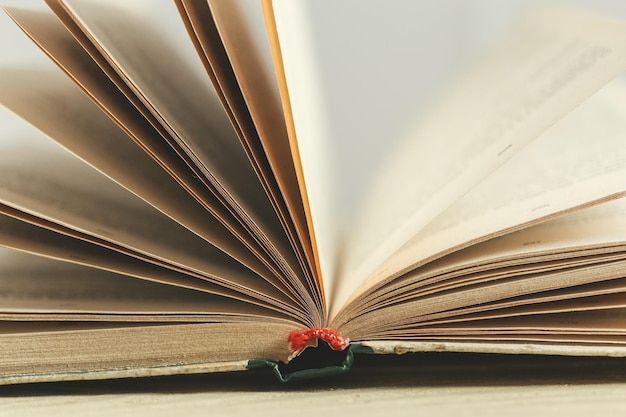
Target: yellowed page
column 203, row 34
column 311, row 135
column 157, row 60
column 40, row 178
column 37, row 288
column 594, row 234
column 541, row 75
column 91, row 351
column 19, row 235
column 242, row 30
column 598, row 226
column 279, row 66
column 406, row 314
column 499, row 106
column 117, row 101
column 225, row 47
column 581, row 159
column 606, row 322
column 53, row 38
column 595, row 296
column 53, row 104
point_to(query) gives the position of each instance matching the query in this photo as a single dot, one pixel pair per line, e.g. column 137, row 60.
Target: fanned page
column 178, row 93
column 49, row 290
column 558, row 282
column 508, row 95
column 577, row 162
column 231, row 38
column 117, row 229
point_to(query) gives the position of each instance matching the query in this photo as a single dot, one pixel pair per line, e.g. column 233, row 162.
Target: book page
column 114, row 98
column 147, row 45
column 49, row 101
column 126, row 111
column 574, row 239
column 97, row 350
column 593, row 326
column 203, row 33
column 42, row 179
column 45, row 289
column 601, row 227
column 594, row 296
column 568, row 166
column 230, row 54
column 242, row 30
column 27, row 237
column 450, row 143
column 609, row 321
column 564, row 241
column 344, row 88
column 409, row 312
column 589, row 327
column 60, row 104
column 530, row 92
column 518, row 92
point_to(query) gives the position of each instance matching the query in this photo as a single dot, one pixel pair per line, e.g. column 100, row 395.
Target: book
column 194, row 186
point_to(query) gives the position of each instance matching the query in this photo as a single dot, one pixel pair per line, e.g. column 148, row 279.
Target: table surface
column 434, row 384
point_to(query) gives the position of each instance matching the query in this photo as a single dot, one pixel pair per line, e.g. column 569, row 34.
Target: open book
column 212, row 185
